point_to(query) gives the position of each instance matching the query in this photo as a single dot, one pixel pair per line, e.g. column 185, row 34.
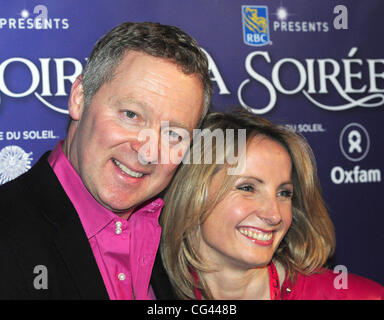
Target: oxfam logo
column 14, row 161
column 354, row 142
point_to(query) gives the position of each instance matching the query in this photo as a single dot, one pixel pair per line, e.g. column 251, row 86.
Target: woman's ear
column 76, row 99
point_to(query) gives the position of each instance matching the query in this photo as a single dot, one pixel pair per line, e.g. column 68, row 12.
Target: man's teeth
column 128, row 171
column 257, row 235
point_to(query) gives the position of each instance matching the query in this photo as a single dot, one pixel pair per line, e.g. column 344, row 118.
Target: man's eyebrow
column 176, row 124
column 128, row 100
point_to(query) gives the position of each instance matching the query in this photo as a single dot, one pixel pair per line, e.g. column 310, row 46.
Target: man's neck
column 125, row 215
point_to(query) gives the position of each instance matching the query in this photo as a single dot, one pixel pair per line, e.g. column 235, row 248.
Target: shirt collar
column 94, row 217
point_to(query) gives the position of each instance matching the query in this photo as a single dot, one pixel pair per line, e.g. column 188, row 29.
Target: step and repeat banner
column 314, row 66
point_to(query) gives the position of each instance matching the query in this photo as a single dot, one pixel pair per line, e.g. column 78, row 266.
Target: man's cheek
column 167, row 172
column 179, row 154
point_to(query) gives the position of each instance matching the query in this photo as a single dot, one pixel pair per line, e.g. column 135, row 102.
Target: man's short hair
column 155, row 39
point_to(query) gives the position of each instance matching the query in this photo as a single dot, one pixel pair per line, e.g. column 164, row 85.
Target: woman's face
column 246, row 227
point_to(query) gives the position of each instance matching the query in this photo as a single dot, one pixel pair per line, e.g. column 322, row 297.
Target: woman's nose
column 270, row 212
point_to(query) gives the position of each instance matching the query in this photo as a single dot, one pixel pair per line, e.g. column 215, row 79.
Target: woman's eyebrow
column 253, row 178
column 261, row 181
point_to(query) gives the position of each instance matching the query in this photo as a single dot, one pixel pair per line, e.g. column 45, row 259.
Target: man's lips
column 128, row 171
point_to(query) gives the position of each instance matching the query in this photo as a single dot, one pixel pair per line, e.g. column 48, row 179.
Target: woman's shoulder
column 327, row 285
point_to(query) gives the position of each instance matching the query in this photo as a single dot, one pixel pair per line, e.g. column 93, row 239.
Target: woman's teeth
column 256, row 234
column 126, row 170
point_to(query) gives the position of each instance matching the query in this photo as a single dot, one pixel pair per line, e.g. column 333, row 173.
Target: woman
column 260, row 232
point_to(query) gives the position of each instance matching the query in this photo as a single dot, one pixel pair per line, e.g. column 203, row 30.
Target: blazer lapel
column 71, row 240
column 160, row 282
column 74, row 247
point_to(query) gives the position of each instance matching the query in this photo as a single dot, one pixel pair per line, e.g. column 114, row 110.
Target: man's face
column 106, row 145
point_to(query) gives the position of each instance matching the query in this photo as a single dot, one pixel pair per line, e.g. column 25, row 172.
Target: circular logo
column 354, row 142
column 14, row 161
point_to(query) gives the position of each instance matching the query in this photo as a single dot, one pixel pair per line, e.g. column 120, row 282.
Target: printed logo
column 354, row 145
column 255, row 25
column 37, row 20
column 354, row 142
column 14, row 161
column 38, row 77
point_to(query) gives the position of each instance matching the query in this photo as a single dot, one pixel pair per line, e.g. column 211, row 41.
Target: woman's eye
column 130, row 114
column 247, row 188
column 285, row 193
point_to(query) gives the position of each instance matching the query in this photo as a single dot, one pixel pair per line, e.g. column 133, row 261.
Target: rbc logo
column 354, row 142
column 255, row 25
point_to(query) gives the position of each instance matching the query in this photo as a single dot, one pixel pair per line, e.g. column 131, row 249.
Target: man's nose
column 147, row 146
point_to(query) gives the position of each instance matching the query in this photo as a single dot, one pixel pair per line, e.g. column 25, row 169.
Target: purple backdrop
column 310, row 65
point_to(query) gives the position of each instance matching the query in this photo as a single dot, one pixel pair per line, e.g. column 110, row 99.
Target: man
column 83, row 222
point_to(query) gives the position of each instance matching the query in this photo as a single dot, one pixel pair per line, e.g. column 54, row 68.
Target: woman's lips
column 256, row 235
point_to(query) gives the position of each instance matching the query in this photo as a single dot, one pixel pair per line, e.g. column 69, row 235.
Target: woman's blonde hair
column 310, row 239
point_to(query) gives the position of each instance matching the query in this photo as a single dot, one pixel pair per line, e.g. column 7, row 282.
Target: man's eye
column 174, row 136
column 130, row 114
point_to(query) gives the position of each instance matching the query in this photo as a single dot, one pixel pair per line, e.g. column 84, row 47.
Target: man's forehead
column 166, row 120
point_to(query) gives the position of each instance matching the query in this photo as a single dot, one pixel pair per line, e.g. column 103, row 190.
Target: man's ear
column 76, row 99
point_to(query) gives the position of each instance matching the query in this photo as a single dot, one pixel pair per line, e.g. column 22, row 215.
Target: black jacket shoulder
column 41, row 231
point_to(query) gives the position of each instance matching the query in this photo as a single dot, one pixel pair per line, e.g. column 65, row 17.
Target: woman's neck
column 239, row 284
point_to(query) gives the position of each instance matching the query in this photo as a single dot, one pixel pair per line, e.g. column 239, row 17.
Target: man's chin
column 124, row 203
column 117, row 206
column 124, row 209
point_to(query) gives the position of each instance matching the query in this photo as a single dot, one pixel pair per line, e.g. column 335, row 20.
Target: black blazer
column 40, row 227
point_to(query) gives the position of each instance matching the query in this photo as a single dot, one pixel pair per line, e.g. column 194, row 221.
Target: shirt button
column 121, row 276
column 118, row 227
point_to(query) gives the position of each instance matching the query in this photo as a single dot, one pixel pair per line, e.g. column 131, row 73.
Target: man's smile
column 126, row 170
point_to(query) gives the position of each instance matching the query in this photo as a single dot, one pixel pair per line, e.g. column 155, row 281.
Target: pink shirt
column 124, row 250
